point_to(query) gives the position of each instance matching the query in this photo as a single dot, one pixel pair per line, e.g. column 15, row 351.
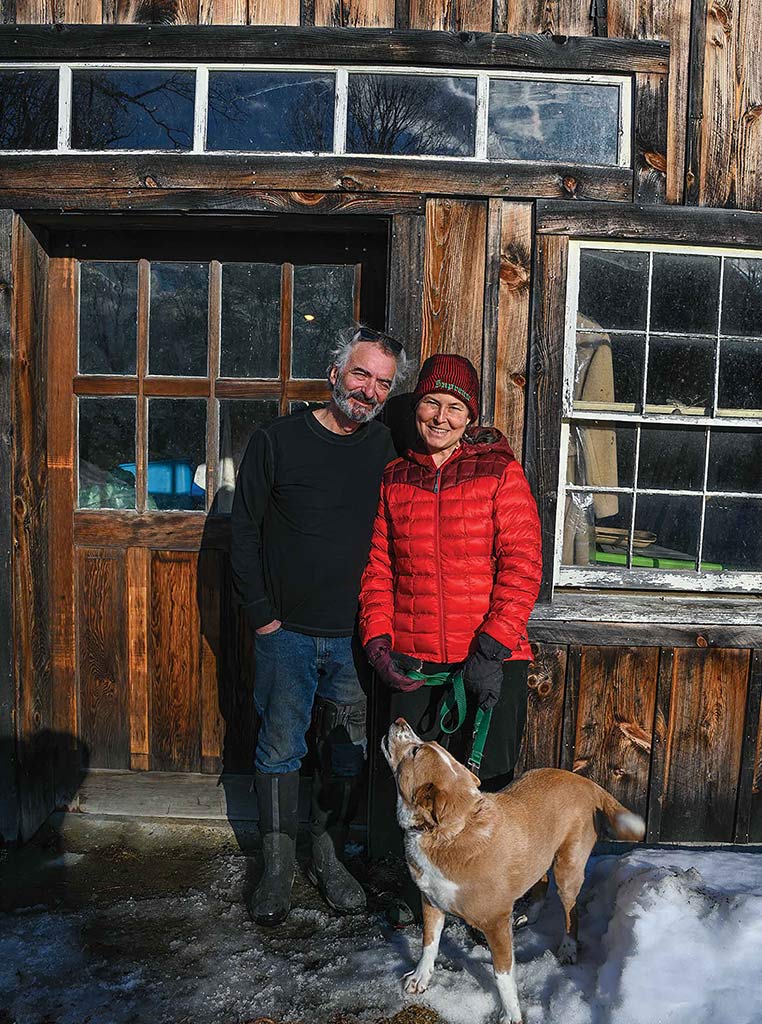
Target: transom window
column 661, row 475
column 324, row 111
column 180, row 360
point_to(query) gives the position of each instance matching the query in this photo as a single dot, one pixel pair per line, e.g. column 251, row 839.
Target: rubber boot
column 340, row 732
column 277, row 799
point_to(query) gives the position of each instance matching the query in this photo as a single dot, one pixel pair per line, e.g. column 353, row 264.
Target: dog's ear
column 424, row 799
column 450, row 810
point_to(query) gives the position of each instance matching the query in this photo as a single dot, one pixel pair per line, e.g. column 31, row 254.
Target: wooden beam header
column 222, row 44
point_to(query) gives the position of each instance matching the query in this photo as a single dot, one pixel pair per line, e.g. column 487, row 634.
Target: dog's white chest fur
column 438, row 889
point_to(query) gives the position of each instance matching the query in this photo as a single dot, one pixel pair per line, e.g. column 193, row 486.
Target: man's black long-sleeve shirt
column 302, row 520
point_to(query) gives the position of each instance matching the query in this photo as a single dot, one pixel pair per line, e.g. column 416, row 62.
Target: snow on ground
column 147, row 923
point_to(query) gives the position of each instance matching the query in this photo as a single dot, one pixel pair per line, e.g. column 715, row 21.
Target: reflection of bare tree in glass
column 310, row 123
column 108, row 317
column 109, row 111
column 178, row 319
column 283, row 111
column 389, row 114
column 28, row 110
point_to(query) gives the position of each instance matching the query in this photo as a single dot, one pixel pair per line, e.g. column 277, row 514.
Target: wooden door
column 166, row 351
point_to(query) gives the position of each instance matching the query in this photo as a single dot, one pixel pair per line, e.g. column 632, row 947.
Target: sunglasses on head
column 368, row 334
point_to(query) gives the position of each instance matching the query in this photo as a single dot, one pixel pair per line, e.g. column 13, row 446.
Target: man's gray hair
column 350, row 336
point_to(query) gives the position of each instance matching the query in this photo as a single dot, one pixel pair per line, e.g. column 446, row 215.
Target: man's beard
column 358, row 414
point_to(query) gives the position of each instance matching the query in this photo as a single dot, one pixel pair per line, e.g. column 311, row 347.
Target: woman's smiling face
column 440, row 420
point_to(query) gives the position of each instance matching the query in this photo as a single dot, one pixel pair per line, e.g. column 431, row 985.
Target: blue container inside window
column 168, row 476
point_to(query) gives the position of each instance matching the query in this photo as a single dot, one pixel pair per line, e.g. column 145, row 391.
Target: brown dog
column 473, row 854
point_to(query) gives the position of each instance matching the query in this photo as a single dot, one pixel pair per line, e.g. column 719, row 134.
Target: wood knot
column 518, row 380
column 569, row 185
column 656, row 160
column 544, row 688
column 149, row 182
column 752, row 113
column 513, row 273
column 701, row 641
column 349, row 183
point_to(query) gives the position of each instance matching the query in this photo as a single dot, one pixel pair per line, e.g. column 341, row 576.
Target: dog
column 474, row 854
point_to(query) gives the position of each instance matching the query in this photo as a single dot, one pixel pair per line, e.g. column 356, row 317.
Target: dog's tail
column 623, row 823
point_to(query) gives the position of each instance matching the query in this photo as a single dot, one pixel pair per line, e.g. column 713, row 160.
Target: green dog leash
column 455, row 701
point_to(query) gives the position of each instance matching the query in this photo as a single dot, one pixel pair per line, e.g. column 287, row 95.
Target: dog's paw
column 510, row 1020
column 567, row 951
column 416, row 982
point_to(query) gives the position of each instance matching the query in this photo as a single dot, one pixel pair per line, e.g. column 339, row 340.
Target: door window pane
column 613, row 289
column 675, row 520
column 106, row 452
column 250, row 320
column 28, row 109
column 239, row 418
column 732, row 534
column 742, row 297
column 735, row 461
column 681, row 374
column 132, row 109
column 569, row 121
column 411, row 115
column 586, row 541
column 671, row 459
column 177, row 453
column 685, row 293
column 270, row 111
column 178, row 319
column 608, row 369
column 324, row 305
column 108, row 310
column 740, row 385
column 601, row 455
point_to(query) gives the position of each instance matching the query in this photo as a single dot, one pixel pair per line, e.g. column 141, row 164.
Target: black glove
column 483, row 670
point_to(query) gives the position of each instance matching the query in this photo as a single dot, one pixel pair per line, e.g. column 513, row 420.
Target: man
column 302, row 516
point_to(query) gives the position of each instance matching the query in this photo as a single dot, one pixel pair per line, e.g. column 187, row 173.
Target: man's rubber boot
column 336, row 788
column 277, row 799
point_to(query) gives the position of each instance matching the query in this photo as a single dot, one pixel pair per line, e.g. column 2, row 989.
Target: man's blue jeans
column 292, row 670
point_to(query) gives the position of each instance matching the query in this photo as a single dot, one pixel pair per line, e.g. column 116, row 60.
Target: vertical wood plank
column 660, row 746
column 615, row 720
column 749, row 810
column 541, row 746
column 157, row 12
column 434, row 15
column 138, row 570
column 9, row 811
column 571, row 699
column 671, row 20
column 650, row 138
column 102, row 649
column 210, row 582
column 328, row 13
column 453, row 285
column 274, row 12
column 747, row 132
column 224, row 12
column 7, row 12
column 368, row 13
column 473, row 16
column 545, row 384
column 175, row 708
column 554, row 17
column 35, row 12
column 31, row 571
column 705, row 740
column 489, row 366
column 62, row 297
column 514, row 294
column 406, row 269
column 78, row 12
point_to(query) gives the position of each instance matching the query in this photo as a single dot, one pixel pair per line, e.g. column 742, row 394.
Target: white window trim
column 642, row 578
column 622, row 82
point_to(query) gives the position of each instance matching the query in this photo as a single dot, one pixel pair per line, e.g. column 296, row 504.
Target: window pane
column 596, row 528
column 613, row 288
column 108, row 310
column 601, row 455
column 177, row 453
column 569, row 121
column 250, row 320
column 106, row 452
column 685, row 293
column 28, row 109
column 740, row 385
column 323, row 306
column 178, row 319
column 742, row 297
column 681, row 374
column 671, row 459
column 239, row 418
column 732, row 534
column 411, row 115
column 675, row 520
column 132, row 109
column 609, row 370
column 270, row 111
column 735, row 461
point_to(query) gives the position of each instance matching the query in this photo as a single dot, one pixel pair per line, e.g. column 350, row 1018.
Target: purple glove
column 390, row 667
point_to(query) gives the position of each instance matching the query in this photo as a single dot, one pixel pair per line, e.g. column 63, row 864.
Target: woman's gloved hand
column 483, row 670
column 389, row 666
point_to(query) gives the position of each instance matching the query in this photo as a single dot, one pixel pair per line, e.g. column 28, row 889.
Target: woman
column 454, row 570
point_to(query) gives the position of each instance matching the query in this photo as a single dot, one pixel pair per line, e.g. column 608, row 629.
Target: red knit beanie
column 452, row 374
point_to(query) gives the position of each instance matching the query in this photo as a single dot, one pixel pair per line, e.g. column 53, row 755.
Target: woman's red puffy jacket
column 455, row 551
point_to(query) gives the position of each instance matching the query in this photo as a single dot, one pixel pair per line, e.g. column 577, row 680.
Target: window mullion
column 141, row 417
column 64, row 108
column 213, row 411
column 200, row 110
column 482, row 116
column 340, row 112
